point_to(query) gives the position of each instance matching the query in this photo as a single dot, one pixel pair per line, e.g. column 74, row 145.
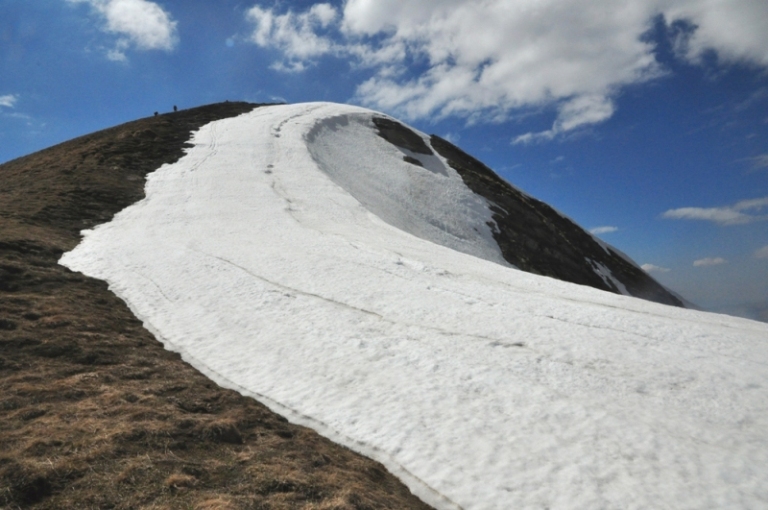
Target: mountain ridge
column 295, row 254
column 491, row 387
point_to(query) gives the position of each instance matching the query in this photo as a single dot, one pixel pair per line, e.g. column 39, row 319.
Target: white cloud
column 577, row 112
column 728, row 215
column 650, row 268
column 9, row 100
column 137, row 23
column 735, row 29
column 293, row 34
column 604, row 230
column 483, row 59
column 716, row 261
column 722, row 215
column 762, row 253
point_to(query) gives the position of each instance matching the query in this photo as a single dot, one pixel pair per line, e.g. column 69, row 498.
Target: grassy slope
column 94, row 413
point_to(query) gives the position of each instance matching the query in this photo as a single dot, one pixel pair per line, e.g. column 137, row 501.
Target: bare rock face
column 533, row 236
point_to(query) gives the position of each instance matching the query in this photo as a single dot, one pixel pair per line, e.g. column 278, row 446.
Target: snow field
column 287, row 255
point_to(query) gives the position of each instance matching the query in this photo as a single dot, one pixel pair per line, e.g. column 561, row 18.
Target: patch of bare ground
column 94, row 412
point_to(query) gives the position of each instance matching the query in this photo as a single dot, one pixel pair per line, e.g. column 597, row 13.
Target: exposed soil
column 94, row 412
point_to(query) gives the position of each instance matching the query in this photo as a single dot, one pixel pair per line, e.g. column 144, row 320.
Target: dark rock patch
column 412, row 161
column 400, row 136
column 536, row 238
column 7, row 325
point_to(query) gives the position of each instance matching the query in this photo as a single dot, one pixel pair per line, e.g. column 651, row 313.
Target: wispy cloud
column 721, row 215
column 603, row 230
column 18, row 115
column 572, row 114
column 713, row 261
column 454, row 138
column 137, row 23
column 762, row 253
column 758, row 162
column 728, row 215
column 9, row 100
column 650, row 268
column 491, row 60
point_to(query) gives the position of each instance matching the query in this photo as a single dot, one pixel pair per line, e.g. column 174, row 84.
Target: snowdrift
column 298, row 256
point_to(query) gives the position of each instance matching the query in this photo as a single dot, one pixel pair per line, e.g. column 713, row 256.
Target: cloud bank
column 483, row 59
column 762, row 253
column 728, row 215
column 137, row 23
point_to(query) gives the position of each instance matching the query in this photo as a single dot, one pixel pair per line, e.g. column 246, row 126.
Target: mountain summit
column 531, row 235
column 356, row 276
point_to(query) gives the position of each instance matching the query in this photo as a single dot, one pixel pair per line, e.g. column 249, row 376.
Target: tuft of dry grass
column 179, row 481
column 217, row 503
column 94, row 413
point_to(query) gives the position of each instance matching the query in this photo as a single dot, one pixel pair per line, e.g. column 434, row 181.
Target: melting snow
column 429, row 201
column 605, row 273
column 285, row 256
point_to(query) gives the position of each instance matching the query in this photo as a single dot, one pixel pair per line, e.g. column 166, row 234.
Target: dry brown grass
column 94, row 413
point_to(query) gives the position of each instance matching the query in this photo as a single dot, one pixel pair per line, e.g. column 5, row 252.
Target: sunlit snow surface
column 479, row 385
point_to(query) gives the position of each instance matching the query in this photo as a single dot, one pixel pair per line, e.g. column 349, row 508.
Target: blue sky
column 646, row 119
